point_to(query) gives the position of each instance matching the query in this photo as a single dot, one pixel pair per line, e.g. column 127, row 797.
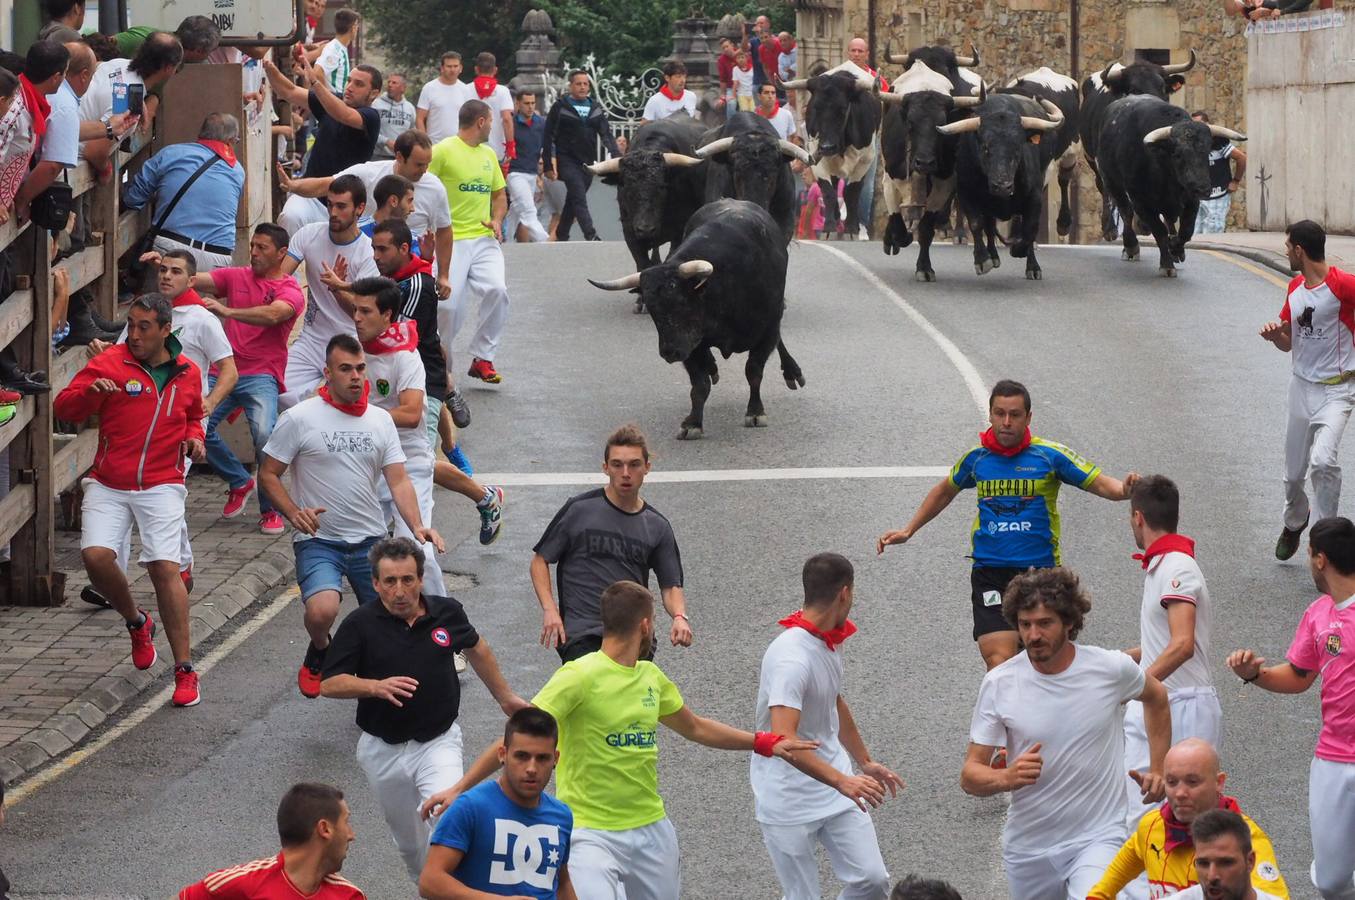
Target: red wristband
column 764, row 741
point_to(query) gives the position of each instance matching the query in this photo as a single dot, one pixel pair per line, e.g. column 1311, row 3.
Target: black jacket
column 574, row 138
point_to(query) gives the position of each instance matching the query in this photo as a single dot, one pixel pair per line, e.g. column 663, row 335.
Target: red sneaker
column 308, row 680
column 483, row 369
column 187, row 576
column 186, row 688
column 236, row 499
column 9, row 398
column 143, row 646
column 271, row 522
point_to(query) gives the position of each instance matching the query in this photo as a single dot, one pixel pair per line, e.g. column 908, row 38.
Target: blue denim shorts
column 321, row 565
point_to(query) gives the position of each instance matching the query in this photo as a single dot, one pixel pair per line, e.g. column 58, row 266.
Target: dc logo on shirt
column 441, row 638
column 533, row 857
column 133, row 387
column 383, row 387
column 1334, row 644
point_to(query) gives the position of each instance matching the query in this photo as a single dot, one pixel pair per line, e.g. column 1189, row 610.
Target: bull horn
column 720, row 145
column 1178, row 68
column 1157, row 134
column 680, row 159
column 627, row 283
column 794, row 151
column 965, row 102
column 891, row 97
column 962, row 126
column 606, row 167
column 1034, row 123
column 971, row 60
column 1111, row 73
column 892, row 57
column 795, row 84
column 695, row 268
column 1230, row 134
column 1054, row 115
column 866, row 83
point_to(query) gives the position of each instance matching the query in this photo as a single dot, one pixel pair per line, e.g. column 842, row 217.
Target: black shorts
column 586, row 644
column 987, row 585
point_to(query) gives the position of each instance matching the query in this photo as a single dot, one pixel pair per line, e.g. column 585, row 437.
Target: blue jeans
column 322, row 564
column 258, row 396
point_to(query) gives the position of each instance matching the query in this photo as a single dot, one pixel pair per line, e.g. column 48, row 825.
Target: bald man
column 1162, row 849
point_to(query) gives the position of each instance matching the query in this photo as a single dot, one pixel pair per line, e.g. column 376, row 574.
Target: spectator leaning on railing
column 155, row 63
column 25, row 122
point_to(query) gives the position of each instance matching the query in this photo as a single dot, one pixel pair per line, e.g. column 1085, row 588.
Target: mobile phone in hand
column 136, row 98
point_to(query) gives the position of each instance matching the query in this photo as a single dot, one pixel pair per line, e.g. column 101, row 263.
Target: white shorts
column 1070, row 869
column 853, row 852
column 1331, row 818
column 636, row 864
column 1195, row 714
column 107, row 516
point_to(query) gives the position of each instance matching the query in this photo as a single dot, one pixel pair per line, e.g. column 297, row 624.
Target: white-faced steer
column 722, row 289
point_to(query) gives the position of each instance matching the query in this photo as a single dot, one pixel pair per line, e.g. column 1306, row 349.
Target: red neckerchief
column 353, row 409
column 832, row 637
column 400, row 336
column 1168, row 543
column 415, row 265
column 221, row 149
column 990, row 442
column 485, row 85
column 38, row 107
column 744, row 68
column 311, row 22
column 670, row 95
column 188, row 298
column 1178, row 835
column 776, row 107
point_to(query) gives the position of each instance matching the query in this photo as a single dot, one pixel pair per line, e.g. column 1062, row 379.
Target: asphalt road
column 1134, row 371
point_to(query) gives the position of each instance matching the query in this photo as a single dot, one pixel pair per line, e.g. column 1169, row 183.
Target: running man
column 1321, row 305
column 1320, row 648
column 1067, row 816
column 507, row 837
column 338, row 448
column 1224, row 858
column 608, row 706
column 800, row 696
column 1175, row 622
column 314, row 829
column 1017, row 478
column 601, row 537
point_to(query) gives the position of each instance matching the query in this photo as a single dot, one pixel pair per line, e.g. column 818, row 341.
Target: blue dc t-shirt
column 509, row 850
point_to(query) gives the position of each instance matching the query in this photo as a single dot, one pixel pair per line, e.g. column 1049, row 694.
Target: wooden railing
column 42, row 464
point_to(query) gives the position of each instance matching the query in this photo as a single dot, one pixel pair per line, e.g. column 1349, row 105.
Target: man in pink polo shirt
column 1324, row 644
column 258, row 306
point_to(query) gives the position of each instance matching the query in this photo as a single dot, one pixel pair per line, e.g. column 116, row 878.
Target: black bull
column 747, row 160
column 722, row 288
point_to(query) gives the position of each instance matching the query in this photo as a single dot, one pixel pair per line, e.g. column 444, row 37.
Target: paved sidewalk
column 64, row 670
column 1267, row 247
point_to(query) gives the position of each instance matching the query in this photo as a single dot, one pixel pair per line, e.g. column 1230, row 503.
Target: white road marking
column 977, row 389
column 551, row 479
column 151, row 705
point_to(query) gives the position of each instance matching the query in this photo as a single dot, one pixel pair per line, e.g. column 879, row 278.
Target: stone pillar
column 819, row 35
column 538, row 59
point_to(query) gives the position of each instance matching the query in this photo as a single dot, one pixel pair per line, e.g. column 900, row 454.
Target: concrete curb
column 1266, row 258
column 73, row 722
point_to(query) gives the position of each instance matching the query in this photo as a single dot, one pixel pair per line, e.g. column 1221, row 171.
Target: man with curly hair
column 1060, row 705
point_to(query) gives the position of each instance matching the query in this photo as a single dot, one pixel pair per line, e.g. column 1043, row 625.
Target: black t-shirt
column 372, row 643
column 336, row 145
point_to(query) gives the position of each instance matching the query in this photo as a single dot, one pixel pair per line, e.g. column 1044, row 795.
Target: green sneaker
column 1288, row 544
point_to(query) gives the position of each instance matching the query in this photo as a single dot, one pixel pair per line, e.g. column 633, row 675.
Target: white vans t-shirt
column 1176, row 578
column 431, row 210
column 335, row 461
column 443, row 102
column 98, row 100
column 389, row 374
column 1078, row 717
column 800, row 672
column 313, row 247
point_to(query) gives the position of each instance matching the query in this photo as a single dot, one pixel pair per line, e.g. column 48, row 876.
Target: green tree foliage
column 625, row 36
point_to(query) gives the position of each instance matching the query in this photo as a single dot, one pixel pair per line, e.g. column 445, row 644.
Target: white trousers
column 1070, row 869
column 305, row 371
column 637, row 864
column 300, row 211
column 422, row 479
column 477, row 266
column 522, row 207
column 1331, row 818
column 205, row 260
column 402, row 777
column 853, row 852
column 1318, row 414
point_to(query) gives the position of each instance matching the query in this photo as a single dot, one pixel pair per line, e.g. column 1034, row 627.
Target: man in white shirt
column 816, row 799
column 334, row 59
column 1057, row 708
column 1224, row 859
column 338, row 448
column 398, row 378
column 1315, row 330
column 336, row 246
column 431, row 213
column 673, row 97
column 155, row 63
column 1175, row 623
column 486, row 87
column 780, row 116
column 397, row 115
column 440, row 100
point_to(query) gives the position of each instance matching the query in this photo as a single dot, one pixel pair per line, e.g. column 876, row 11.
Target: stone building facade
column 1075, row 37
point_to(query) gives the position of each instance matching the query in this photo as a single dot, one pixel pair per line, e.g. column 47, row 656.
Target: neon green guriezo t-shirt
column 608, row 716
column 470, row 175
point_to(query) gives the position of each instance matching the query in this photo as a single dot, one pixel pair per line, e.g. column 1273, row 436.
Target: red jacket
column 141, row 430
